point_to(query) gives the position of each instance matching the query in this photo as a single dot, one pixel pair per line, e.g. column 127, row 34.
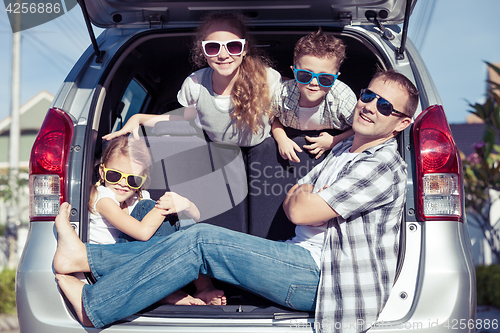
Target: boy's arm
column 324, row 141
column 286, row 146
column 140, row 230
column 172, row 202
column 303, row 207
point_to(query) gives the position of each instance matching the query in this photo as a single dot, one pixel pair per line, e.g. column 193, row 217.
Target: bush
column 488, row 285
column 7, row 291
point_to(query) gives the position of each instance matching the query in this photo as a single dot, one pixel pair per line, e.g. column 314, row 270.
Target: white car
column 139, row 63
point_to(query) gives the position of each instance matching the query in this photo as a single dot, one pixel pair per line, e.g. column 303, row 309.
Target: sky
column 454, row 37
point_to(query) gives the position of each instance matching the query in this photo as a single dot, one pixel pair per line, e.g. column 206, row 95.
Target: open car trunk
column 147, row 74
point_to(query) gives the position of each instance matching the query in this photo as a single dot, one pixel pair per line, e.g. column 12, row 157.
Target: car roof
column 162, row 13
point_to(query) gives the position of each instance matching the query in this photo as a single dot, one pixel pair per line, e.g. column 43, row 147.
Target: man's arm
column 303, row 207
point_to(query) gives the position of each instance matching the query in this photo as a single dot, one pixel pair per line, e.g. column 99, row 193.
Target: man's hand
column 320, row 144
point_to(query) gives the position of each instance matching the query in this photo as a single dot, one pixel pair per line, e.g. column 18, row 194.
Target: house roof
column 32, row 113
column 467, row 135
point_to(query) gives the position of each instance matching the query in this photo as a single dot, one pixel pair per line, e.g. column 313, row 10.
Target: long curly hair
column 251, row 95
column 124, row 145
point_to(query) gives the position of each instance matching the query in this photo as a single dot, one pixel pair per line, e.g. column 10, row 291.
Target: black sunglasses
column 383, row 106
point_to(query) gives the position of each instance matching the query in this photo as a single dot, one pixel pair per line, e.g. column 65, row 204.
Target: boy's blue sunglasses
column 324, row 79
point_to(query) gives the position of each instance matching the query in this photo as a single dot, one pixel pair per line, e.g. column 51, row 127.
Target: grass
column 488, row 285
column 7, row 291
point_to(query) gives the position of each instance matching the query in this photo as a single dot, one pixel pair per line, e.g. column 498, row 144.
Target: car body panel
column 118, row 13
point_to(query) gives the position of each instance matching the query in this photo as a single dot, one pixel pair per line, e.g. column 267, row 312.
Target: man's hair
column 405, row 83
column 320, row 44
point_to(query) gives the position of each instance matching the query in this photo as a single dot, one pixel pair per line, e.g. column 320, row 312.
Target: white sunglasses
column 234, row 47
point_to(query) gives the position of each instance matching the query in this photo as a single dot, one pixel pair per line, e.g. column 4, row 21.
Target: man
column 341, row 262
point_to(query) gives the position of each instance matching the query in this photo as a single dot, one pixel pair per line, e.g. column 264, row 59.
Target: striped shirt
column 359, row 257
column 337, row 107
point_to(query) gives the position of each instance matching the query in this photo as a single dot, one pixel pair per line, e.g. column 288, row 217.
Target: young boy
column 315, row 100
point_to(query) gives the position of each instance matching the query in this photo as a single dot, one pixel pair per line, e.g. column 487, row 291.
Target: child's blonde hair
column 251, row 95
column 124, row 145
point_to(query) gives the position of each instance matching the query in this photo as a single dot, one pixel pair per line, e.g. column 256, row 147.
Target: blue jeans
column 132, row 276
column 141, row 209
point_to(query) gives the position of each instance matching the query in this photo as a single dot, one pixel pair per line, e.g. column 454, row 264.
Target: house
column 32, row 114
column 466, row 136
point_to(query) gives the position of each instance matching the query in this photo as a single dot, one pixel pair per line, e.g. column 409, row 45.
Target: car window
column 132, row 102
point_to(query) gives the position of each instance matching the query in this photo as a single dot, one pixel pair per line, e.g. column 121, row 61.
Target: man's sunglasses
column 114, row 177
column 383, row 106
column 324, row 79
column 212, row 48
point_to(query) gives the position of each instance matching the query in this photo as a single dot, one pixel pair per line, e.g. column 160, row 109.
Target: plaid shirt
column 359, row 257
column 337, row 107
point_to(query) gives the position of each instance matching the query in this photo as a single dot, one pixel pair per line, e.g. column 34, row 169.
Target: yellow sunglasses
column 114, row 176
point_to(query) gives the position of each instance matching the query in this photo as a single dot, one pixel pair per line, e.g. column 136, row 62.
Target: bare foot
column 211, row 296
column 71, row 255
column 72, row 289
column 181, row 298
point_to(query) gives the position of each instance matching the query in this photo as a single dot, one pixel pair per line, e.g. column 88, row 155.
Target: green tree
column 6, row 191
column 10, row 195
column 482, row 169
column 7, row 291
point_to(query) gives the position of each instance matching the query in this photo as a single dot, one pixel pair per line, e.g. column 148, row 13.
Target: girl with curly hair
column 230, row 98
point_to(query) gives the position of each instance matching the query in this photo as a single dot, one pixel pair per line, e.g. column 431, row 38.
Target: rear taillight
column 48, row 165
column 439, row 178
